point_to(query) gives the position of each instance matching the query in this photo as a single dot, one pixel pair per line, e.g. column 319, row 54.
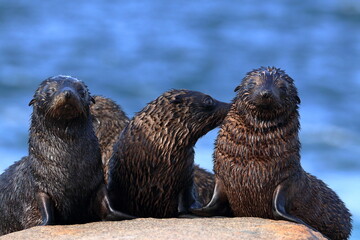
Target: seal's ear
column 237, row 88
column 177, row 99
column 92, row 100
column 32, row 101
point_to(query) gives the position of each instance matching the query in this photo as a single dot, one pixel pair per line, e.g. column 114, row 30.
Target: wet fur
column 109, row 120
column 153, row 160
column 64, row 161
column 258, row 148
column 204, row 183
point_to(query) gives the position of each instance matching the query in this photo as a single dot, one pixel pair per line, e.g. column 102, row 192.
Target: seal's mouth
column 265, row 104
column 214, row 120
column 265, row 100
column 222, row 111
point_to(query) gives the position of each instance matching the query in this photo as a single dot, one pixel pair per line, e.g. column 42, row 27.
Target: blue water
column 134, row 51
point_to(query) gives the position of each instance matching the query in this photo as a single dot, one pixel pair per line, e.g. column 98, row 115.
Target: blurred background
column 134, row 51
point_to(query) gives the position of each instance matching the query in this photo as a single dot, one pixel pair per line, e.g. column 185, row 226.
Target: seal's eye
column 50, row 91
column 282, row 85
column 82, row 92
column 251, row 85
column 208, row 102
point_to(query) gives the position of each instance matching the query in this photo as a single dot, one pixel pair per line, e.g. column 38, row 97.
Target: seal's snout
column 265, row 93
column 224, row 108
column 269, row 92
column 67, row 92
column 67, row 104
column 266, row 97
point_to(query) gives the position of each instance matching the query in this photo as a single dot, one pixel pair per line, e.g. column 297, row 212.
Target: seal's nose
column 68, row 92
column 265, row 93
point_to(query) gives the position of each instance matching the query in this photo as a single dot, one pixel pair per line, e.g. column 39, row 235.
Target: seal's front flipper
column 104, row 209
column 280, row 198
column 46, row 206
column 186, row 199
column 218, row 205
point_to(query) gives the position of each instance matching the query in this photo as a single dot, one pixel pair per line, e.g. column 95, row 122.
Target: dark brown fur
column 257, row 150
column 151, row 171
column 204, row 183
column 108, row 121
column 61, row 181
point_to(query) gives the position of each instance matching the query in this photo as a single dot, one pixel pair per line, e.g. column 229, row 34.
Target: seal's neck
column 54, row 135
column 258, row 139
column 63, row 128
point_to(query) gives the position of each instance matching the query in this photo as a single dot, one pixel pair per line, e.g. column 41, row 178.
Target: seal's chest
column 251, row 200
column 250, row 191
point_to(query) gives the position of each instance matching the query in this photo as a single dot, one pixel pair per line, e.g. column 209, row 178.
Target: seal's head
column 267, row 92
column 200, row 111
column 62, row 97
column 183, row 115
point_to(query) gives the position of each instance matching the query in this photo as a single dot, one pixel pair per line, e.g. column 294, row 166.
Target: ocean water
column 134, row 51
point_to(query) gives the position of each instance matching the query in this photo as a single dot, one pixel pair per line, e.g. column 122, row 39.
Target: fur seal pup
column 108, row 122
column 151, row 170
column 61, row 181
column 257, row 160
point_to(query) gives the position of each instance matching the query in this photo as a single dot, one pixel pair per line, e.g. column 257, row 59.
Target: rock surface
column 150, row 228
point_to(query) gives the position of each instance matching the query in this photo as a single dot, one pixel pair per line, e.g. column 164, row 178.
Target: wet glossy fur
column 109, row 120
column 153, row 160
column 204, row 183
column 258, row 148
column 64, row 160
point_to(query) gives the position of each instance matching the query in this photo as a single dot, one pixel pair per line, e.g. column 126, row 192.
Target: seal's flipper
column 218, row 205
column 104, row 209
column 279, row 203
column 46, row 206
column 187, row 199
